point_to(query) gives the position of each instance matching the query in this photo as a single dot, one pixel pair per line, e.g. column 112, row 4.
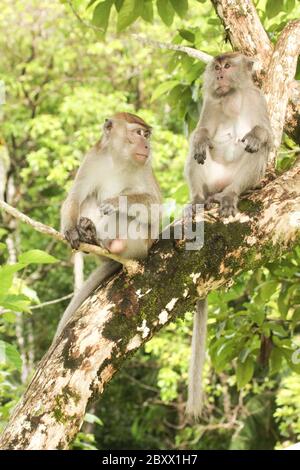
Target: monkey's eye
column 227, row 65
column 147, row 134
column 140, row 132
column 217, row 67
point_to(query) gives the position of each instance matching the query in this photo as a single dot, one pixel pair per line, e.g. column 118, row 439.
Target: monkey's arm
column 83, row 185
column 204, row 132
column 261, row 132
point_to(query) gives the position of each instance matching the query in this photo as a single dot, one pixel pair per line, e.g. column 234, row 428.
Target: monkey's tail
column 194, row 403
column 97, row 277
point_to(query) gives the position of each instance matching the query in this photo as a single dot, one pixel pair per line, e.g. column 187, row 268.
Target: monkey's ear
column 251, row 64
column 108, row 124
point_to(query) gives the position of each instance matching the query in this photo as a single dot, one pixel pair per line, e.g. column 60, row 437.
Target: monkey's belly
column 217, row 176
column 227, row 145
column 227, row 151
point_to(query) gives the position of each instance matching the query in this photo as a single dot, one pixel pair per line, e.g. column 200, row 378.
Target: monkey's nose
column 220, row 77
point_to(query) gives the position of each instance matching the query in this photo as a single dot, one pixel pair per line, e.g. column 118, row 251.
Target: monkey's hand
column 253, row 144
column 199, row 147
column 72, row 236
column 107, row 207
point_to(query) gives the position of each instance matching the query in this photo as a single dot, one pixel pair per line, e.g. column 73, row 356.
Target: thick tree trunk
column 128, row 311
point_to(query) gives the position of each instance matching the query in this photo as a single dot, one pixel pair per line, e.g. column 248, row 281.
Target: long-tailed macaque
column 118, row 165
column 228, row 155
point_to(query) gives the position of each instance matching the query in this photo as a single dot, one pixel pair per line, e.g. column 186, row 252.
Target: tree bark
column 128, row 311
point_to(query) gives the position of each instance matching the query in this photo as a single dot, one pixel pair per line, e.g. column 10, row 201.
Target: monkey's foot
column 87, row 231
column 73, row 238
column 211, row 201
column 228, row 205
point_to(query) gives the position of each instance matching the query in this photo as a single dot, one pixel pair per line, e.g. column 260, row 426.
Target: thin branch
column 51, row 302
column 190, row 51
column 45, row 229
column 82, row 21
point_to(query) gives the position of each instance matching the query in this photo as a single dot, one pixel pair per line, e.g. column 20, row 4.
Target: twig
column 81, row 20
column 51, row 302
column 130, row 265
column 190, row 51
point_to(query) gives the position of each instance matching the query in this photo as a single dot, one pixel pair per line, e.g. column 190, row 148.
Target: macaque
column 119, row 165
column 228, row 155
column 230, row 145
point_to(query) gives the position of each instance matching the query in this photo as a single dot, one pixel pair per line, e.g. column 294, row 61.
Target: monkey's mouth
column 222, row 89
column 141, row 157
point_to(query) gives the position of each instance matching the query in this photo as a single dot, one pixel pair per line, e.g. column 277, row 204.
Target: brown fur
column 128, row 117
column 226, row 55
column 131, row 119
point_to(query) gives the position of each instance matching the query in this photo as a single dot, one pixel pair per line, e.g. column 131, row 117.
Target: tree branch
column 280, row 78
column 190, row 51
column 128, row 311
column 130, row 265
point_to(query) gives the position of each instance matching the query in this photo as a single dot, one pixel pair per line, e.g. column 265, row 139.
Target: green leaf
column 180, row 6
column 165, row 11
column 3, row 232
column 186, row 34
column 222, row 352
column 38, row 257
column 90, row 418
column 2, row 246
column 101, row 14
column 16, row 303
column 283, row 300
column 118, row 4
column 292, row 358
column 244, row 372
column 296, row 317
column 275, row 360
column 290, row 5
column 273, row 7
column 147, row 11
column 7, row 273
column 267, row 288
column 128, row 13
column 91, row 3
column 163, row 88
column 9, row 355
column 9, row 317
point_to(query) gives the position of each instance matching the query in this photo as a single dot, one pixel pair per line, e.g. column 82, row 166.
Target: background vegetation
column 62, row 80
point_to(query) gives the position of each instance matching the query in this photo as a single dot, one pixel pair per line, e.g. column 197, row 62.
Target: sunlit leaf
column 37, row 256
column 9, row 355
column 165, row 11
column 244, row 371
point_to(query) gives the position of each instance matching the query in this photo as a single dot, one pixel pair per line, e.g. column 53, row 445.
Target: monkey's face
column 130, row 141
column 139, row 142
column 223, row 76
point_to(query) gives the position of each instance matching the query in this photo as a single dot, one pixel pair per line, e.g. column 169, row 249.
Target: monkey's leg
column 227, row 201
